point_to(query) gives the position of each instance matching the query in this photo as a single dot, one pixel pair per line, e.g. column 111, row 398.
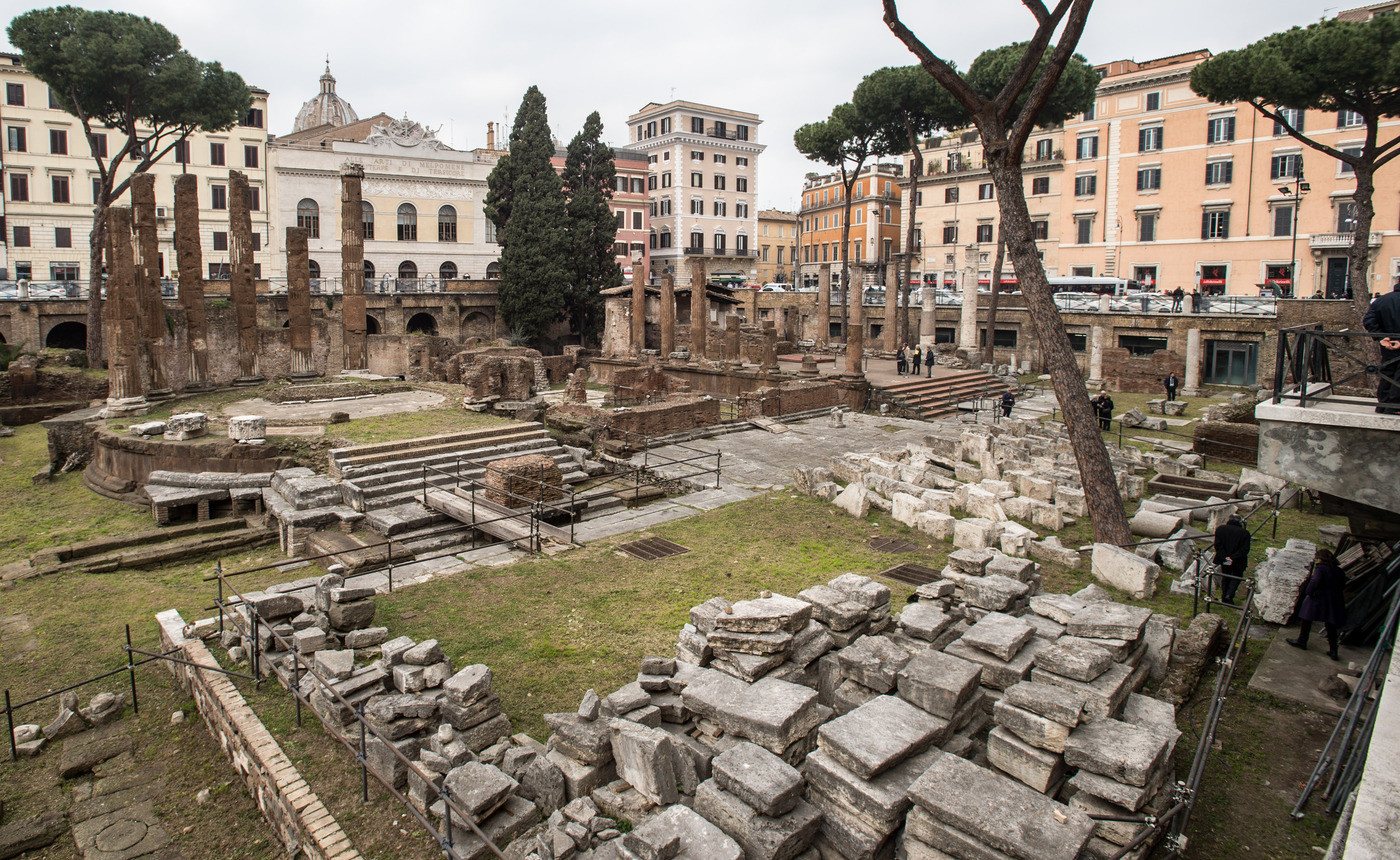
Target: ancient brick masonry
column 242, row 287
column 150, row 308
column 515, row 481
column 299, row 301
column 699, row 310
column 125, row 390
column 668, row 315
column 788, row 399
column 190, row 262
column 352, row 265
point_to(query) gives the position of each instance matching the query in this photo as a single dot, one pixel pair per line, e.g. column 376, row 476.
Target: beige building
column 876, row 215
column 777, row 246
column 702, row 187
column 1159, row 185
column 49, row 178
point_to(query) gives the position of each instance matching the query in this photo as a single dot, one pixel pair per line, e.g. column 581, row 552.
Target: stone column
column 189, row 259
column 1095, row 356
column 731, row 338
column 150, row 308
column 855, row 338
column 889, row 336
column 1105, row 304
column 668, row 316
column 639, row 303
column 927, row 318
column 352, row 267
column 967, row 337
column 770, row 346
column 125, row 394
column 299, row 301
column 699, row 310
column 245, row 298
column 1192, row 388
column 823, row 304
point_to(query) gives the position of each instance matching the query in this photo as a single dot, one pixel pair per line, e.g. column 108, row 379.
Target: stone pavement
column 113, row 813
column 356, row 407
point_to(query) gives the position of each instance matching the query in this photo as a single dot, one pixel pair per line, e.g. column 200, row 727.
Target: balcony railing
column 1313, row 364
column 719, row 252
column 1326, row 241
column 723, row 134
column 170, row 288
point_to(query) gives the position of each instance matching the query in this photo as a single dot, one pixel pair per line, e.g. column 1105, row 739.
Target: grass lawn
column 411, row 425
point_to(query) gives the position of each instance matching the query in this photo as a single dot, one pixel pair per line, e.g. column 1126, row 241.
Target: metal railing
column 1312, row 364
column 531, row 512
column 643, row 474
column 719, row 252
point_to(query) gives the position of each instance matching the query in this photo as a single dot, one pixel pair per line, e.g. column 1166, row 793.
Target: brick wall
column 302, row 823
column 789, row 399
column 1143, row 374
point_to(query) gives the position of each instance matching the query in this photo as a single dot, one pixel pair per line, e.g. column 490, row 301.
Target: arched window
column 369, row 270
column 448, row 271
column 315, row 270
column 408, row 223
column 493, row 270
column 408, row 270
column 665, row 237
column 367, row 218
column 309, row 216
column 447, row 224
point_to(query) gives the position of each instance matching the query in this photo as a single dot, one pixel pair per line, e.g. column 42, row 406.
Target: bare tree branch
column 1040, row 93
column 1035, row 49
column 938, row 68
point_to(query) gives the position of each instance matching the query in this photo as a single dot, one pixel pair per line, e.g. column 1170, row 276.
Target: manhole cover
column 652, row 548
column 883, row 544
column 120, row 835
column 914, row 574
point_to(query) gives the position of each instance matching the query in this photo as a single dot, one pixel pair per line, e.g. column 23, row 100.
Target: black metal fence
column 1312, row 364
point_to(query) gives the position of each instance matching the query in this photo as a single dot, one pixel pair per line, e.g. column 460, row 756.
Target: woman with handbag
column 1323, row 602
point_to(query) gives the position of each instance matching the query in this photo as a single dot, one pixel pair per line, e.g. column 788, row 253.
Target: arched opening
column 408, row 223
column 448, row 271
column 493, row 271
column 447, row 224
column 369, row 270
column 408, row 270
column 67, row 335
column 315, row 270
column 309, row 216
column 371, row 325
column 422, row 323
column 477, row 324
column 367, row 218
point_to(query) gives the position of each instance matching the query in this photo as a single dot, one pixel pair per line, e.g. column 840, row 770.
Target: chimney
column 490, row 135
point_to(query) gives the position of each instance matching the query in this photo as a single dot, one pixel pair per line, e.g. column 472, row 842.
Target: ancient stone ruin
column 352, row 266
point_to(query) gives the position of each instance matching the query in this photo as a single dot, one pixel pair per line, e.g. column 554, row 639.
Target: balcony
column 723, row 133
column 1339, row 241
column 719, row 252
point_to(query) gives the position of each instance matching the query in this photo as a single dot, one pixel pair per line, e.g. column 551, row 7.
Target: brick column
column 245, row 299
column 823, row 304
column 892, row 309
column 699, row 310
column 125, row 392
column 189, row 258
column 150, row 308
column 855, row 337
column 352, row 267
column 639, row 303
column 668, row 316
column 299, row 301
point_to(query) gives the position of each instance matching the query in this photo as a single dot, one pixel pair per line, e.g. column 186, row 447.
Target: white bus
column 1100, row 286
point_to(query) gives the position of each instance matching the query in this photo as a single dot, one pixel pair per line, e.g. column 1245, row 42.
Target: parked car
column 776, row 288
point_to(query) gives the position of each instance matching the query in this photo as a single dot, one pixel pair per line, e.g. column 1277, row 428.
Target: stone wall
column 121, row 464
column 682, row 412
column 302, row 824
column 1227, row 440
column 789, row 399
column 1123, row 371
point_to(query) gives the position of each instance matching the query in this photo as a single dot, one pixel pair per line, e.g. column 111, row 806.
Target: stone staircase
column 940, row 396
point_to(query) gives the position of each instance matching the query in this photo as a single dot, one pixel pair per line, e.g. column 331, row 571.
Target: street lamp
column 1296, row 192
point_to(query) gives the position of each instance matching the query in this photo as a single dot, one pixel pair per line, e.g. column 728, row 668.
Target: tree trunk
column 846, row 267
column 1360, row 253
column 1100, row 485
column 96, row 239
column 989, row 351
column 916, row 169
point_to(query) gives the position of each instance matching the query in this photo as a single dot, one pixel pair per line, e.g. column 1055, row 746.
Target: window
column 59, row 184
column 96, row 189
column 1086, row 185
column 408, row 223
column 697, row 206
column 254, row 199
column 216, row 154
column 1343, row 168
column 1154, row 101
column 721, row 129
column 741, row 244
column 637, row 219
column 1150, row 139
column 984, row 233
column 1040, row 185
column 257, row 241
column 1149, row 179
column 665, row 206
column 741, row 210
column 1084, row 229
column 741, row 132
column 1294, row 118
column 250, row 156
column 220, row 271
column 1078, row 342
column 721, row 209
column 719, row 181
column 651, row 182
column 984, row 191
column 58, row 141
column 63, row 271
column 651, row 129
column 182, row 152
column 309, row 217
column 448, row 271
column 367, row 219
column 741, row 183
column 21, row 237
column 14, row 94
column 408, row 270
column 720, row 158
column 1215, row 224
column 447, row 224
column 1219, row 172
column 1220, row 129
column 15, row 139
column 697, row 180
column 1283, row 220
column 1089, row 114
column 697, row 155
column 19, row 187
column 697, row 240
column 741, row 161
column 253, row 119
column 1042, row 230
column 950, row 194
column 697, row 125
column 63, row 237
column 1088, row 147
column 1147, row 226
column 665, row 125
column 490, row 233
column 1285, row 166
column 950, row 234
column 780, row 254
column 1141, row 345
column 220, row 240
column 1044, row 149
column 1346, row 216
column 636, row 185
column 1349, row 119
column 665, row 238
column 1145, row 275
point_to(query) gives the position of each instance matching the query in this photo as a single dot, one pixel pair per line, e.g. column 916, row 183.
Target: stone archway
column 477, row 324
column 372, row 325
column 67, row 335
column 423, row 323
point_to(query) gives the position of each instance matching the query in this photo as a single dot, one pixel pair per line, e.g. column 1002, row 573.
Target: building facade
column 629, row 204
column 50, row 177
column 702, row 187
column 876, row 216
column 777, row 247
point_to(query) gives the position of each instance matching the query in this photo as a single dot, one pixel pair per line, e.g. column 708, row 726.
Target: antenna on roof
column 673, row 93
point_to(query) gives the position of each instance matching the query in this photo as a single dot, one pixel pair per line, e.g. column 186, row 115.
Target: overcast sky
column 461, row 63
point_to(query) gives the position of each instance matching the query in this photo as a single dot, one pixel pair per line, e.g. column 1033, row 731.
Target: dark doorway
column 67, row 335
column 371, row 325
column 1337, row 277
column 422, row 323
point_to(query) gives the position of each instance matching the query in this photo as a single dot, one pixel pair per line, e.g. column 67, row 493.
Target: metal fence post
column 296, row 678
column 10, row 718
column 219, row 572
column 131, row 673
column 364, row 773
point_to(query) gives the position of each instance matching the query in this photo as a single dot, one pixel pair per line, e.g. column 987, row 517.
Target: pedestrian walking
column 1171, row 383
column 899, row 361
column 1383, row 317
column 914, row 357
column 1008, row 400
column 1232, row 542
column 1195, row 301
column 1177, row 295
column 1103, row 408
column 928, row 362
column 1323, row 601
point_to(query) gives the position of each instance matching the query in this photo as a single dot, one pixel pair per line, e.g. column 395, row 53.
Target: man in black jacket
column 1384, row 316
column 1232, row 555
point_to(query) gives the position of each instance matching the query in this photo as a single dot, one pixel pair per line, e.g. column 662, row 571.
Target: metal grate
column 883, row 544
column 653, row 548
column 914, row 574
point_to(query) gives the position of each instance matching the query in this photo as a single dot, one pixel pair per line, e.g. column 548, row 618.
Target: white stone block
column 186, row 425
column 1123, row 569
column 247, row 428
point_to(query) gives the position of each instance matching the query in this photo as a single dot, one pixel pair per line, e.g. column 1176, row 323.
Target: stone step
column 409, row 486
column 413, row 461
column 345, row 459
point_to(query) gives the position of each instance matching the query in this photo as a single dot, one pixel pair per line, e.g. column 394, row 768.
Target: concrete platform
column 356, row 407
column 1294, row 675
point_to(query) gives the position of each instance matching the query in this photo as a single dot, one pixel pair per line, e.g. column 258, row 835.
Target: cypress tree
column 589, row 173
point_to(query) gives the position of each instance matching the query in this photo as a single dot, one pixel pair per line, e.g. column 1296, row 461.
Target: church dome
column 326, row 109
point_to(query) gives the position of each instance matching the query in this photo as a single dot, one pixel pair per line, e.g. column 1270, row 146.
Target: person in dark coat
column 899, row 361
column 928, row 361
column 1008, row 400
column 1103, row 408
column 1232, row 555
column 1171, row 383
column 1323, row 602
column 914, row 357
column 1177, row 295
column 1384, row 316
column 1195, row 301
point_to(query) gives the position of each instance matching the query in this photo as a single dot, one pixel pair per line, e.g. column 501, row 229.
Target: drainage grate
column 914, row 574
column 883, row 544
column 652, row 548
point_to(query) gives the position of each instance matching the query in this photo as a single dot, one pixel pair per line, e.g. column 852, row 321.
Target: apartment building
column 876, row 214
column 702, row 186
column 777, row 246
column 632, row 206
column 50, row 178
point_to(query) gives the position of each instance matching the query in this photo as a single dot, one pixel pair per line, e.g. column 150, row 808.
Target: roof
column 1366, row 13
column 326, row 108
column 355, row 131
column 776, row 215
